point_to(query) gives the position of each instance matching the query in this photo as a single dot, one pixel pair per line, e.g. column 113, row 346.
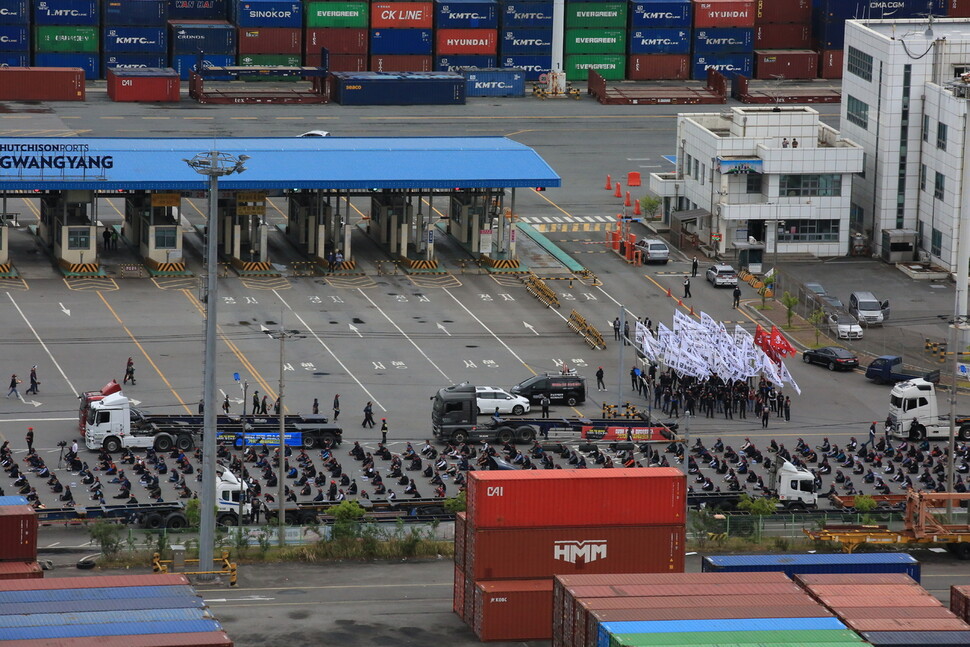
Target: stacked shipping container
column 466, row 34
column 512, row 541
column 525, row 37
column 960, row 601
column 401, row 37
column 723, row 37
column 660, row 39
column 783, row 40
column 595, row 39
column 134, row 34
column 188, row 38
column 269, row 33
column 340, row 28
column 792, row 565
column 66, row 35
column 18, row 539
column 14, row 33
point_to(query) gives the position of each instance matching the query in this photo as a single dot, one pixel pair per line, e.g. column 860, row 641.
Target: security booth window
column 79, row 238
column 166, row 238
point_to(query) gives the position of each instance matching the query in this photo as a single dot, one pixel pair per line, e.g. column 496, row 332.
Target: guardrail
column 538, row 288
column 160, row 565
column 590, row 334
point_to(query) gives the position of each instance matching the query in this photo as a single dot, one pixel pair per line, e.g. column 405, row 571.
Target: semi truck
column 793, row 486
column 914, row 413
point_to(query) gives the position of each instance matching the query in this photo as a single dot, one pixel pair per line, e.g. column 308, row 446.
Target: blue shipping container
column 66, row 12
column 13, row 500
column 659, row 41
column 664, row 13
column 184, row 63
column 878, row 9
column 723, row 41
column 527, row 14
column 399, row 88
column 691, row 626
column 14, row 12
column 134, row 12
column 803, row 564
column 267, row 13
column 14, row 38
column 532, row 65
column 466, row 14
column 120, row 629
column 198, row 10
column 134, row 39
column 102, row 617
column 495, row 83
column 217, row 38
column 513, row 42
column 917, row 638
column 97, row 593
column 14, row 59
column 829, row 34
column 121, row 604
column 401, row 41
column 459, row 61
column 133, row 61
column 726, row 64
column 90, row 63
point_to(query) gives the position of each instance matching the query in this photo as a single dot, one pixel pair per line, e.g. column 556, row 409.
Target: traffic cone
column 627, row 203
column 618, row 194
column 668, row 293
column 636, row 208
column 609, row 182
column 692, row 311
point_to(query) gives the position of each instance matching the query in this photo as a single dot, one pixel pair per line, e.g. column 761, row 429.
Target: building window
column 857, row 112
column 856, row 214
column 859, row 63
column 922, row 177
column 696, row 168
column 936, row 242
column 79, row 238
column 753, row 182
column 862, row 173
column 926, row 128
column 802, row 231
column 941, row 136
column 703, row 172
column 826, row 185
column 939, row 187
column 165, row 238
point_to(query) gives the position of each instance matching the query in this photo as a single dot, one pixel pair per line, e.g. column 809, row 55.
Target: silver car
column 722, row 275
column 653, row 250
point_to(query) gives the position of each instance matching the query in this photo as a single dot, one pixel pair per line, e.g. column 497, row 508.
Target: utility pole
column 281, row 516
column 958, row 324
column 619, row 374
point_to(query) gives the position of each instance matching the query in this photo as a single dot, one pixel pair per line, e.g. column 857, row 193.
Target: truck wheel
column 176, row 521
column 184, row 443
column 458, row 437
column 308, row 518
column 571, row 399
column 518, row 410
column 309, row 442
column 960, row 550
column 227, row 519
column 503, row 435
column 153, row 521
column 163, row 443
column 112, row 445
column 918, row 432
column 291, row 518
column 525, row 434
column 964, row 433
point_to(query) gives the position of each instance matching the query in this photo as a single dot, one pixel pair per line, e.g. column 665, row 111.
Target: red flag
column 761, row 338
column 780, row 344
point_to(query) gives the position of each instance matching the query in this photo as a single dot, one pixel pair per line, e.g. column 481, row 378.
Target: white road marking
column 355, row 329
column 66, row 311
column 74, row 419
column 443, row 329
column 42, row 344
column 391, row 321
column 482, row 324
column 530, row 327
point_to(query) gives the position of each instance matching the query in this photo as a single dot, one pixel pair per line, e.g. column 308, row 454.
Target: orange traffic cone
column 668, row 293
column 636, row 209
column 627, row 203
column 692, row 311
column 618, row 194
column 609, row 182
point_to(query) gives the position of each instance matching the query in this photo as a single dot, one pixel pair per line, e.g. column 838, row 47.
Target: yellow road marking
column 541, row 195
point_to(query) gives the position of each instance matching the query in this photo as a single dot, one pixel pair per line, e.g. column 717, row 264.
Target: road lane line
column 542, row 195
column 332, row 354
column 489, row 330
column 418, row 348
column 42, row 344
column 143, row 352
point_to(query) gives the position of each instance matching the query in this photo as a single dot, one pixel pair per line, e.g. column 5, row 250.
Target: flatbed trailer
column 711, row 91
column 144, row 515
column 525, row 430
column 423, row 508
column 747, row 90
column 318, row 92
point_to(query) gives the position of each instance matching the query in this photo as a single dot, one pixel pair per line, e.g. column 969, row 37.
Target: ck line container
column 527, row 15
column 353, row 15
column 525, row 41
column 65, row 38
column 595, row 41
column 596, row 14
column 650, row 14
column 513, row 610
column 460, row 62
column 198, row 10
column 466, row 14
column 209, row 36
column 269, row 40
column 401, row 15
column 336, row 40
column 792, row 565
column 133, row 61
column 401, row 41
column 66, row 12
column 143, row 85
column 534, row 65
column 126, row 13
column 126, row 40
column 14, row 12
column 18, row 523
column 659, row 41
column 724, row 13
column 14, row 38
column 267, row 13
column 399, row 88
column 649, row 67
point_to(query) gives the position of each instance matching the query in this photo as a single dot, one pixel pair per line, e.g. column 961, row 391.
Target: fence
column 708, row 526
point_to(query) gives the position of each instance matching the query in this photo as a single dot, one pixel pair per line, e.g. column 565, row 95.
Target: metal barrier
column 629, row 411
column 303, row 268
column 160, row 565
column 590, row 334
column 538, row 288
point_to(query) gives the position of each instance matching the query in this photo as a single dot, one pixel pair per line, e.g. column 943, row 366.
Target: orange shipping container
column 513, row 610
column 41, row 84
column 960, row 601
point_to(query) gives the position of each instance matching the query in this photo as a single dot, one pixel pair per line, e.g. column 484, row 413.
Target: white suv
column 492, row 397
column 720, row 275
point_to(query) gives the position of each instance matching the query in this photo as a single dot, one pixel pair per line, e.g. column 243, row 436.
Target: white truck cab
column 109, row 426
column 914, row 413
column 794, row 487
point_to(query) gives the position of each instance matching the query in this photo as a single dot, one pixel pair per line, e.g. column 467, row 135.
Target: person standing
column 30, row 439
column 316, row 407
column 544, row 403
column 368, row 415
column 255, row 403
column 787, row 406
column 106, row 238
column 277, row 406
column 33, row 380
column 264, row 405
column 765, row 415
column 13, row 386
column 635, row 378
column 872, row 436
column 336, row 407
column 600, row 384
column 202, row 405
column 616, row 329
column 254, row 508
column 693, row 268
column 626, row 333
column 114, row 238
column 686, row 287
column 737, row 296
column 225, row 405
column 383, row 431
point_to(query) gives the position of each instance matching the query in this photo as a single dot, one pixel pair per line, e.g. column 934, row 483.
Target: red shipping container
column 270, row 40
column 907, row 624
column 783, row 11
column 458, row 593
column 842, row 602
column 783, row 37
column 958, row 9
column 195, row 639
column 785, row 64
column 20, row 570
column 830, row 64
column 513, row 610
column 96, row 582
column 724, row 13
column 466, row 41
column 402, row 63
column 960, row 601
column 656, row 67
column 401, row 15
column 867, row 590
column 810, row 579
column 123, row 86
column 712, row 613
column 872, row 613
column 18, row 523
column 664, row 579
column 337, row 41
column 616, row 497
column 469, row 616
column 460, row 528
column 40, row 84
column 530, row 553
column 340, row 62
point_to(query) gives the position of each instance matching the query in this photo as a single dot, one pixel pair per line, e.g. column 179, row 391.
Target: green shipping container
column 595, row 41
column 62, row 38
column 609, row 66
column 337, row 14
column 596, row 14
column 817, row 637
column 258, row 60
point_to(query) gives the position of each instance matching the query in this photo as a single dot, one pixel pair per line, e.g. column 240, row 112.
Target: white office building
column 771, row 174
column 904, row 103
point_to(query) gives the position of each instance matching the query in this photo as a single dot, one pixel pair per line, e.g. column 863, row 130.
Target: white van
column 653, row 250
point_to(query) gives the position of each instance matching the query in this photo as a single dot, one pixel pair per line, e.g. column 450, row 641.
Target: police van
column 562, row 388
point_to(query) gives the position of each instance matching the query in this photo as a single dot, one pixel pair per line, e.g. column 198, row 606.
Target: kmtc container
column 724, row 13
column 727, row 64
column 400, row 88
column 134, row 39
column 184, row 63
column 115, row 13
column 336, row 14
column 513, row 610
column 595, row 41
column 20, row 570
column 466, row 41
column 133, row 61
column 269, row 40
column 14, row 12
column 724, row 41
column 805, row 564
column 649, row 67
column 616, row 497
column 459, row 63
column 662, row 13
column 198, row 10
column 401, row 41
column 783, row 11
column 783, row 37
column 785, row 64
column 401, row 63
column 596, row 14
column 55, row 38
column 659, row 41
column 401, row 15
column 525, row 41
column 14, row 38
column 532, row 15
column 144, row 85
column 466, row 14
column 66, row 12
column 209, row 36
column 533, row 65
column 18, row 523
column 267, row 13
column 610, row 66
column 337, row 41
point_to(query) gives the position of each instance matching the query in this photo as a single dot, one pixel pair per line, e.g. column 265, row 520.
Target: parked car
column 868, row 308
column 653, row 250
column 490, row 397
column 844, row 326
column 832, row 302
column 316, row 133
column 722, row 275
column 835, row 358
column 817, row 288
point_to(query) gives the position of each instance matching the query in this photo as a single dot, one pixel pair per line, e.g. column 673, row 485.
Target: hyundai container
column 16, row 570
column 269, row 40
column 401, row 63
column 724, row 13
column 399, row 88
column 616, row 497
column 401, row 15
column 459, row 63
column 14, row 59
column 458, row 593
column 57, row 38
column 727, row 64
column 121, row 13
column 526, row 15
column 662, row 13
column 745, row 625
column 14, row 12
column 730, row 40
column 352, row 15
column 14, row 38
column 267, row 13
column 465, row 41
column 534, row 65
column 60, row 632
column 184, row 64
column 513, row 610
column 18, row 523
column 917, row 638
column 596, row 14
column 126, row 40
column 66, row 12
column 785, row 64
column 659, row 41
column 340, row 62
column 102, row 618
column 783, row 37
column 337, row 40
column 401, row 41
column 133, row 61
column 514, row 42
column 595, row 41
column 198, row 10
column 143, row 85
column 792, row 565
column 114, row 604
column 209, row 36
column 783, row 11
column 830, row 63
column 466, row 14
column 656, row 67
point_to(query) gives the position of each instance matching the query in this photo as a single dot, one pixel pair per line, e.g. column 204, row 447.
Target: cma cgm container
column 796, row 564
column 14, row 12
column 209, row 36
column 527, row 15
column 723, row 41
column 269, row 40
column 783, row 11
column 724, row 13
column 18, row 523
column 399, row 89
column 144, row 85
column 879, row 9
column 134, row 39
column 525, row 41
column 466, row 41
column 466, row 14
column 401, row 41
column 660, row 41
column 401, row 63
column 783, row 37
column 726, row 64
column 652, row 14
column 336, row 14
column 829, row 34
column 596, row 14
column 459, row 63
column 337, row 41
column 56, row 38
column 785, row 64
column 493, row 83
column 595, row 41
column 267, row 13
column 513, row 610
column 654, row 67
column 183, row 64
column 121, row 13
column 616, row 497
column 534, row 65
column 20, row 570
column 14, row 38
column 401, row 15
column 198, row 10
column 133, row 61
column 66, row 12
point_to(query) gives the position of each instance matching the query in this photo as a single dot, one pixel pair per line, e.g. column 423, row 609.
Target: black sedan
column 835, row 358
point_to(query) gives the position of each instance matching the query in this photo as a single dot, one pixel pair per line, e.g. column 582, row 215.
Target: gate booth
column 480, row 222
column 69, row 226
column 243, row 236
column 395, row 226
column 316, row 226
column 152, row 219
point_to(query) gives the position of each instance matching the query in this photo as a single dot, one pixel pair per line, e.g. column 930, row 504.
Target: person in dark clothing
column 368, row 415
column 686, row 288
column 737, row 297
column 544, row 403
column 600, row 384
column 316, row 407
column 30, row 439
column 383, row 430
column 693, row 267
column 336, row 407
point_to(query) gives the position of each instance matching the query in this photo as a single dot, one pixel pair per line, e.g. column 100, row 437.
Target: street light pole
column 281, row 492
column 958, row 323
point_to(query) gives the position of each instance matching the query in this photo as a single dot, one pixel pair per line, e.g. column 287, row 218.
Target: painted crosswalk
column 551, row 224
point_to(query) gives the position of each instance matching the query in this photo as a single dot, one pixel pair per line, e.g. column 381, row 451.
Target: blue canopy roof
column 275, row 163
